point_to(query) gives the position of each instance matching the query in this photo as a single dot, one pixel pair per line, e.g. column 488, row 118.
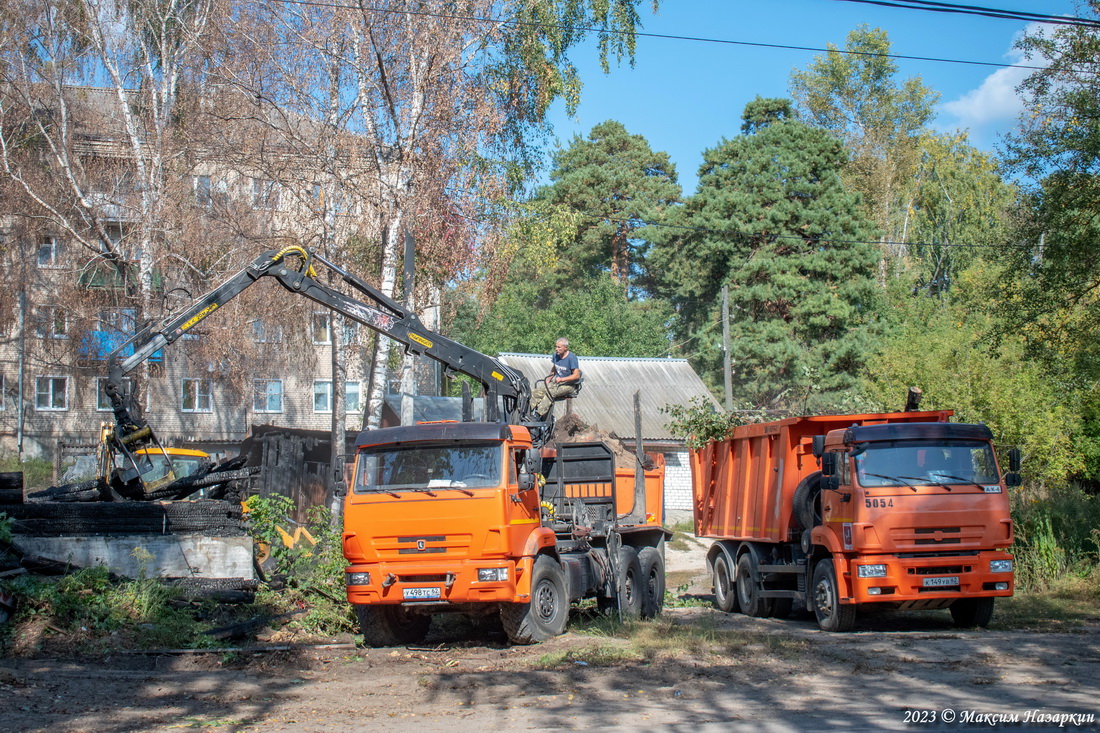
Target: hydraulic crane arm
column 504, row 386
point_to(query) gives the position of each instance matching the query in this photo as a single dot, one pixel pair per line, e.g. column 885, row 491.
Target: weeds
column 1056, row 535
column 37, row 472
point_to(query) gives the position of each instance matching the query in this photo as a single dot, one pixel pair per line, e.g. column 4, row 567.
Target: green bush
column 37, row 472
column 1056, row 534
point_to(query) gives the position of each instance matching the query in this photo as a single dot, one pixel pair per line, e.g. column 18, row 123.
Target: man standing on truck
column 562, row 382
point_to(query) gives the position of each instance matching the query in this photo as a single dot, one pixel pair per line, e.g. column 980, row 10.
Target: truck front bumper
column 913, row 580
column 425, row 583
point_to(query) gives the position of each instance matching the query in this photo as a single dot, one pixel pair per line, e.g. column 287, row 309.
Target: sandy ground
column 726, row 673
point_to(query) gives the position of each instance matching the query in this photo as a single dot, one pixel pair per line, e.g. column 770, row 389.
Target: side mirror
column 526, row 481
column 1014, row 460
column 830, row 483
column 1013, row 480
column 828, row 464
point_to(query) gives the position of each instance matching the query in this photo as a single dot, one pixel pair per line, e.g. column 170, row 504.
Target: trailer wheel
column 748, row 594
column 653, row 581
column 725, row 590
column 548, row 612
column 391, row 625
column 831, row 614
column 970, row 612
column 807, row 501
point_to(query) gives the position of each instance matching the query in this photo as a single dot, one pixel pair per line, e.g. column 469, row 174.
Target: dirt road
column 695, row 669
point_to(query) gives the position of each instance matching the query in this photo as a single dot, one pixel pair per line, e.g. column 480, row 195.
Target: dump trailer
column 474, row 518
column 901, row 510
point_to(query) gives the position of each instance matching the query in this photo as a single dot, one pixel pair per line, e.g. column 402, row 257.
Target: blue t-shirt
column 564, row 367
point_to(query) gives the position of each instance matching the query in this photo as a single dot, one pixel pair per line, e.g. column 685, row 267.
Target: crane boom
column 504, row 387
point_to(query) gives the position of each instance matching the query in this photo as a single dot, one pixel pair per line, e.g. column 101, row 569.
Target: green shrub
column 1056, row 534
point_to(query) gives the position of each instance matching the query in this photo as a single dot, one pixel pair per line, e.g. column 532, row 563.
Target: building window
column 351, row 397
column 351, row 331
column 196, row 395
column 267, row 333
column 49, row 252
column 321, row 324
column 322, row 396
column 204, row 191
column 102, row 401
column 51, row 322
column 51, row 393
column 3, row 392
column 267, row 395
column 265, row 194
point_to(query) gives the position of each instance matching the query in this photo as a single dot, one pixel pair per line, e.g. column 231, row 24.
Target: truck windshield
column 428, row 466
column 898, row 463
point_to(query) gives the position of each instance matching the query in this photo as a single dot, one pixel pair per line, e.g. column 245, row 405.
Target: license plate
column 940, row 582
column 421, row 594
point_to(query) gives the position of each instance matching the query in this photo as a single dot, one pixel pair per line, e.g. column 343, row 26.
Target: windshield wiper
column 930, row 482
column 898, row 479
column 962, row 480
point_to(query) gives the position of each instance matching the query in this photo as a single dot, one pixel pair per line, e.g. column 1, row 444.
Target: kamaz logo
column 420, row 544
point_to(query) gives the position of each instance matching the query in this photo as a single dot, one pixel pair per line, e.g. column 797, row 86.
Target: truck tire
column 807, row 501
column 748, row 594
column 548, row 612
column 831, row 614
column 391, row 625
column 653, row 581
column 970, row 612
column 725, row 588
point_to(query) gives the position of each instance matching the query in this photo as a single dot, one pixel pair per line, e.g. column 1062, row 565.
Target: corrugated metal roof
column 607, row 397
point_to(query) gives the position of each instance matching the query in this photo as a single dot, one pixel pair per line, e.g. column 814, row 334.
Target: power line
column 661, row 36
column 939, row 7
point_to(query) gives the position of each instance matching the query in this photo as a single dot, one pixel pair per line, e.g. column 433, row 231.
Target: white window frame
column 265, row 194
column 47, row 321
column 265, row 333
column 196, row 387
column 50, row 393
column 102, row 401
column 322, row 388
column 261, row 391
column 52, row 245
column 321, row 323
column 349, row 407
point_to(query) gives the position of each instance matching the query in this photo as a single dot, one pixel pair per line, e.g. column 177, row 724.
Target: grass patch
column 596, row 655
column 1066, row 605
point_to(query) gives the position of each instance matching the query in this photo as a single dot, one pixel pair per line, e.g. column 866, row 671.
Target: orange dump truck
column 897, row 510
column 474, row 518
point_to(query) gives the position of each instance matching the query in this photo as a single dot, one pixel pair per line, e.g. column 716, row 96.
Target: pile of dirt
column 572, row 428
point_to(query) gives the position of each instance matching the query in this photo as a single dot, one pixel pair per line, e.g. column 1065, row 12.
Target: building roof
column 607, row 396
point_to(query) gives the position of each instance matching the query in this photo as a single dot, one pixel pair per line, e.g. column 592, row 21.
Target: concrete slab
column 157, row 556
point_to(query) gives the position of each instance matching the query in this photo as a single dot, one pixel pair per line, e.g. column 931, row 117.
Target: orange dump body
column 654, row 490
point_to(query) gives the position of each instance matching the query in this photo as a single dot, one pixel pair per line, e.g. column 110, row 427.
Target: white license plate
column 421, row 594
column 940, row 582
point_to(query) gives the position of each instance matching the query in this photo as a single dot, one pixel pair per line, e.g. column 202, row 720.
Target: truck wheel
column 807, row 501
column 748, row 594
column 831, row 615
column 653, row 581
column 548, row 612
column 970, row 612
column 725, row 590
column 391, row 625
column 631, row 584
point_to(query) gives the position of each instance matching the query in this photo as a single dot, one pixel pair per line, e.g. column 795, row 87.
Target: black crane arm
column 502, row 384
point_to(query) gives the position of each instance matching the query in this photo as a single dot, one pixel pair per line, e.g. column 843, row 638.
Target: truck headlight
column 492, row 575
column 1000, row 566
column 871, row 571
column 357, row 578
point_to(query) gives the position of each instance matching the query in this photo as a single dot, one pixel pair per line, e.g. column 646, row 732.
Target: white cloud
column 995, row 102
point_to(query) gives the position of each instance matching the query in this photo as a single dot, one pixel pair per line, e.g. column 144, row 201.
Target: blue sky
column 684, row 96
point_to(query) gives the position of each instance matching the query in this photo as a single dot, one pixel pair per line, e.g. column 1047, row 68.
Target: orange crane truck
column 473, row 517
column 899, row 510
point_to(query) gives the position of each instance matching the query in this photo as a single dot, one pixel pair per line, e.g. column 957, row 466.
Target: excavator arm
column 505, row 388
